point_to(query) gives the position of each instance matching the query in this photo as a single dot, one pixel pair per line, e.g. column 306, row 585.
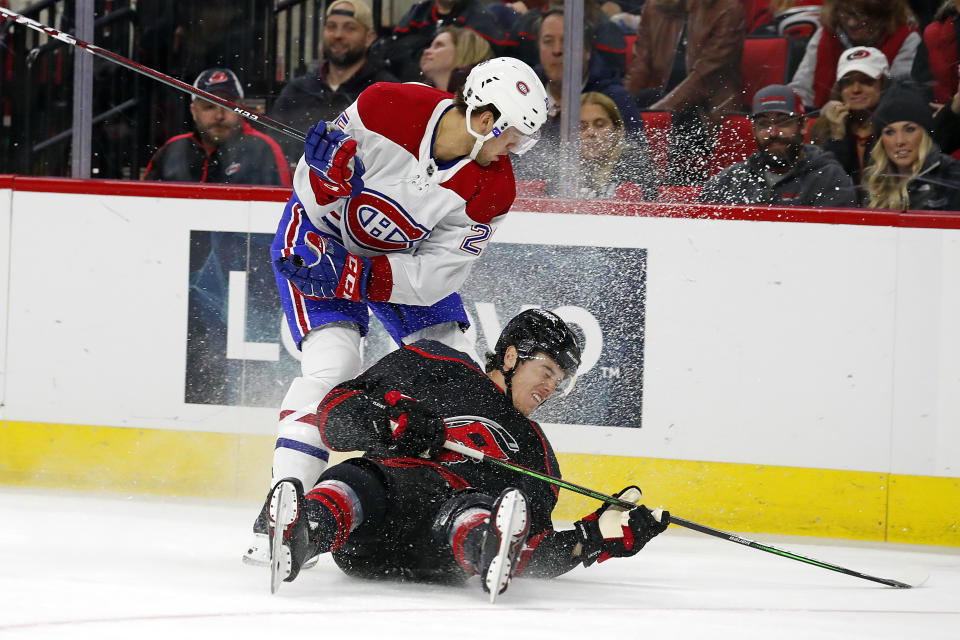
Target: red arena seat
column 656, row 126
column 764, row 63
column 735, row 143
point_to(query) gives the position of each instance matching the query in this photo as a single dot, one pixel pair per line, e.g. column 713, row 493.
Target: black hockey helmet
column 536, row 330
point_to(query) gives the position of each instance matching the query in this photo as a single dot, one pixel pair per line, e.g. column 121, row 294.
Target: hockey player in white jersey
column 392, row 204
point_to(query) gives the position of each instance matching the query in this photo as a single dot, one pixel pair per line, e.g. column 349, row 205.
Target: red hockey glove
column 410, row 429
column 331, row 156
column 323, row 268
column 614, row 532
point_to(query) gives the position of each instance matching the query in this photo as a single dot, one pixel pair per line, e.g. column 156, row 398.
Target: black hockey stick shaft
column 152, row 73
column 688, row 524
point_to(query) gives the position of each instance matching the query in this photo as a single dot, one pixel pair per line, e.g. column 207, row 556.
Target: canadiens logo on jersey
column 380, row 224
column 481, row 434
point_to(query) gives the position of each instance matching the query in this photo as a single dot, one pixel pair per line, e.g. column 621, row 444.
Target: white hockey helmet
column 514, row 89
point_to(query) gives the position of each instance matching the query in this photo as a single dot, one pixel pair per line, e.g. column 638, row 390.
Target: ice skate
column 258, row 550
column 290, row 537
column 506, row 532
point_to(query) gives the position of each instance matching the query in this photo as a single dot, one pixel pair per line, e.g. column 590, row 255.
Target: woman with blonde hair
column 908, row 170
column 609, row 157
column 447, row 62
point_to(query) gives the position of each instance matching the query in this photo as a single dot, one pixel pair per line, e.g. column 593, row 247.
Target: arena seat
column 764, row 63
column 656, row 126
column 629, row 192
column 735, row 143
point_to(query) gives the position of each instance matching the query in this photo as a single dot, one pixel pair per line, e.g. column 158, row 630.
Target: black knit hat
column 902, row 102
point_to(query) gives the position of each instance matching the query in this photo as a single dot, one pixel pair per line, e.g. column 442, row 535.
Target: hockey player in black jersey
column 410, row 508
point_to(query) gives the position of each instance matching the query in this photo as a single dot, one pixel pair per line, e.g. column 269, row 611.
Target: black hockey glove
column 409, row 429
column 614, row 532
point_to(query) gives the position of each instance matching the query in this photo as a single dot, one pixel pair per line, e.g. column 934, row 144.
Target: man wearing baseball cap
column 783, row 170
column 346, row 69
column 223, row 147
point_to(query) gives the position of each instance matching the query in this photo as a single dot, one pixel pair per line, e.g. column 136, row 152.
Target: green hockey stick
column 717, row 533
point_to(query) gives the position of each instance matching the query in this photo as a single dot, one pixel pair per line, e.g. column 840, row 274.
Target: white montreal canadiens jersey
column 430, row 220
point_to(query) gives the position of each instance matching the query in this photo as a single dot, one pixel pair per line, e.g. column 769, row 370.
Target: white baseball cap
column 866, row 60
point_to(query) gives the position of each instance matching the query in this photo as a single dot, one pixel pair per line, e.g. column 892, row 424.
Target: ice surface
column 95, row 566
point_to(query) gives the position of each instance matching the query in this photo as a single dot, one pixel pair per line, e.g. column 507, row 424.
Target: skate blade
column 511, row 522
column 282, row 513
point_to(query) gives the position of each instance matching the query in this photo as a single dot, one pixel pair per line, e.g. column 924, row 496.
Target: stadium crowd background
column 667, row 103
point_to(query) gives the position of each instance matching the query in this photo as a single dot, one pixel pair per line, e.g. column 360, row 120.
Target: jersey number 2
column 470, row 244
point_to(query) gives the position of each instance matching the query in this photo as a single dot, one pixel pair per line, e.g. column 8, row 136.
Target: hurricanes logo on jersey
column 378, row 223
column 481, row 434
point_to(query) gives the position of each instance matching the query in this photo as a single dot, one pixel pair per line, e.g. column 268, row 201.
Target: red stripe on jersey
column 329, row 403
column 452, row 479
column 293, row 227
column 309, row 418
column 380, row 103
column 299, row 309
column 601, row 47
column 430, row 355
column 488, row 191
column 489, row 38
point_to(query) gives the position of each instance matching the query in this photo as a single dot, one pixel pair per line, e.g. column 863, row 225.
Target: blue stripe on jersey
column 303, row 447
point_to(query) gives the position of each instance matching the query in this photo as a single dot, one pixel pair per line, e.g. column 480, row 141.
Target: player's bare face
column 215, row 124
column 534, row 381
column 345, row 40
column 501, row 145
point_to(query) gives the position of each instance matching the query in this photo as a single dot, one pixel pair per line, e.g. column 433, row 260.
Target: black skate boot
column 503, row 538
column 292, row 542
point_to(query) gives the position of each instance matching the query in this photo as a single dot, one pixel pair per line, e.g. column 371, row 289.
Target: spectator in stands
column 346, row 70
column 223, row 147
column 686, row 59
column 908, row 170
column 447, row 62
column 608, row 38
column 845, row 125
column 598, row 76
column 883, row 24
column 416, row 29
column 608, row 158
column 942, row 40
column 783, row 170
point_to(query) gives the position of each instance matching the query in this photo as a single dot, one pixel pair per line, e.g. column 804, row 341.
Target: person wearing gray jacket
column 783, row 171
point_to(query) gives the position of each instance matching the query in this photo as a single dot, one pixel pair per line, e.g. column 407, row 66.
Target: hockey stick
column 151, row 73
column 717, row 533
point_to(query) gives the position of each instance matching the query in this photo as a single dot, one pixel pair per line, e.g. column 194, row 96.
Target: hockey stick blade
column 105, row 54
column 688, row 524
column 717, row 533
